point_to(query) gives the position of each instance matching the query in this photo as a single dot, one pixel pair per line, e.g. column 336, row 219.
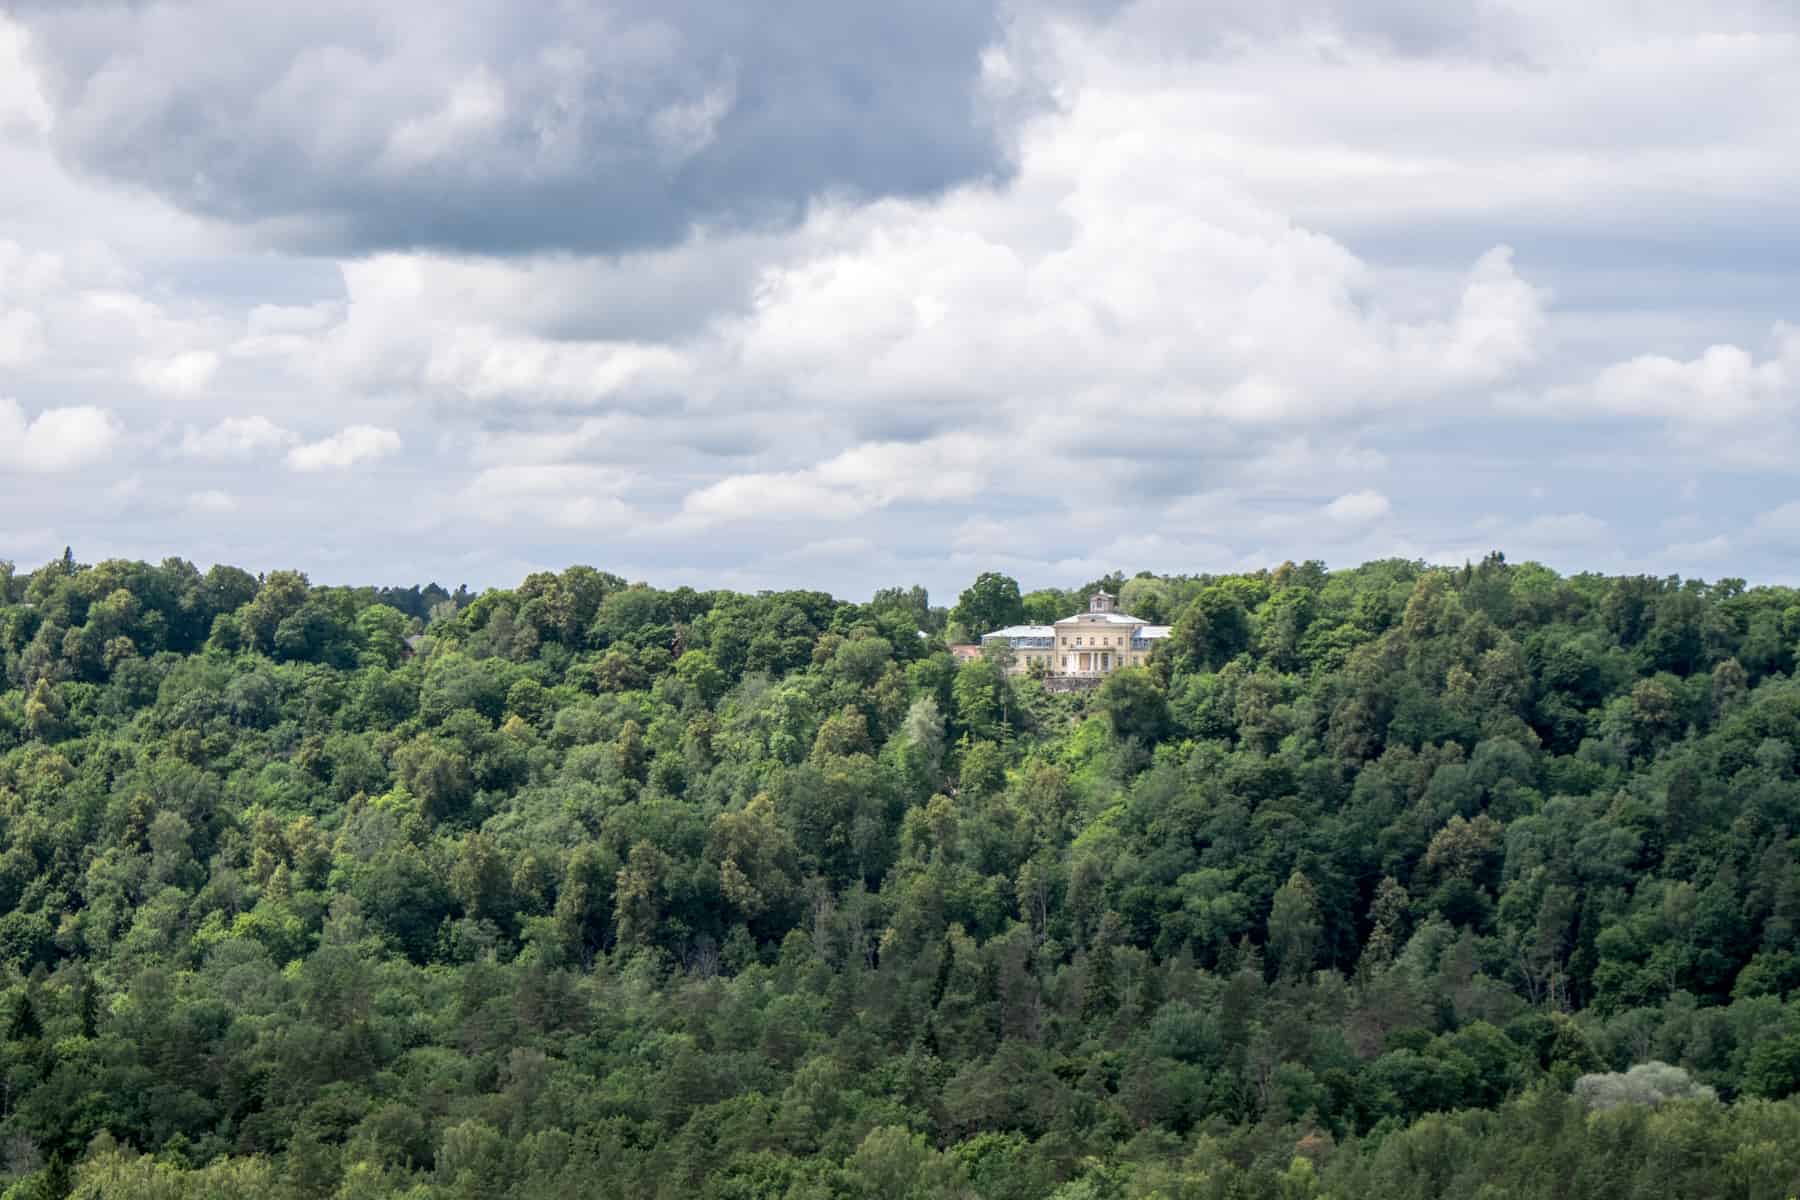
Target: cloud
column 356, row 444
column 1157, row 292
column 859, row 480
column 21, row 338
column 234, row 438
column 211, row 501
column 184, row 374
column 1683, row 557
column 845, row 549
column 566, row 496
column 1314, row 106
column 1234, row 297
column 984, row 535
column 279, row 320
column 21, row 103
column 1724, row 406
column 550, row 126
column 1563, row 529
column 539, row 371
column 57, row 439
column 1781, row 523
column 1358, row 508
column 1724, row 385
column 1300, row 460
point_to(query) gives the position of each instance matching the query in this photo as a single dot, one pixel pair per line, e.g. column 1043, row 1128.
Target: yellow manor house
column 1094, row 643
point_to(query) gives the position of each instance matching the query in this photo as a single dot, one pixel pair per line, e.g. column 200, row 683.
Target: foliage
column 1397, row 880
column 1647, row 1084
column 991, row 602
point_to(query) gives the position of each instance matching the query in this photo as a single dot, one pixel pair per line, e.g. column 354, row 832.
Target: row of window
column 1135, row 643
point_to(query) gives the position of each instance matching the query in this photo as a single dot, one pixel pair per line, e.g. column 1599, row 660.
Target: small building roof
column 1021, row 631
column 1151, row 632
column 1102, row 618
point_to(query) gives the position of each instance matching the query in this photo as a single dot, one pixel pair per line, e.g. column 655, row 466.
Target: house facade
column 1089, row 644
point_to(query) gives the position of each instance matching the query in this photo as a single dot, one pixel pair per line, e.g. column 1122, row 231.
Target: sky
column 843, row 295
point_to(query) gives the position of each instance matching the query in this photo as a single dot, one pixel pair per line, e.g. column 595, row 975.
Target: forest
column 1393, row 881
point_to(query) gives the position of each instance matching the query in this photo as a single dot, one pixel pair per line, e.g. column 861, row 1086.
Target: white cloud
column 1157, row 292
column 21, row 101
column 459, row 330
column 984, row 535
column 211, row 501
column 1782, row 521
column 121, row 498
column 234, row 438
column 1725, row 385
column 57, row 439
column 482, row 365
column 1298, row 460
column 21, row 338
column 472, row 112
column 1723, row 407
column 185, row 374
column 861, row 479
column 565, row 496
column 1358, row 508
column 1327, row 124
column 285, row 331
column 612, row 432
column 356, row 444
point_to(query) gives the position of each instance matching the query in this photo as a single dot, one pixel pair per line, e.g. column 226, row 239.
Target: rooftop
column 1099, row 613
column 1103, row 618
column 1022, row 631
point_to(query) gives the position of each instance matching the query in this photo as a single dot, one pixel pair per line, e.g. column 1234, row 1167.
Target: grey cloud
column 1516, row 31
column 492, row 127
column 913, row 422
column 676, row 440
column 1407, row 26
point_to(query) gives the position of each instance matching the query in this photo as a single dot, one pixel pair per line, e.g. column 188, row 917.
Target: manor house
column 1093, row 643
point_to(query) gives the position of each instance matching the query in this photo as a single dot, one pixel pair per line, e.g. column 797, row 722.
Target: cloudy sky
column 842, row 294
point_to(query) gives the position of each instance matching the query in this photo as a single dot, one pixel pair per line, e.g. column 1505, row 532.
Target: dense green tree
column 991, row 602
column 1134, row 705
column 1398, row 880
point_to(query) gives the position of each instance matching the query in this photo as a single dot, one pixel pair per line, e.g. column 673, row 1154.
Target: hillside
column 1373, row 882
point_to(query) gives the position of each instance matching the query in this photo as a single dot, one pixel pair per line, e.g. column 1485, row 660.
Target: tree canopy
column 1397, row 880
column 991, row 602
